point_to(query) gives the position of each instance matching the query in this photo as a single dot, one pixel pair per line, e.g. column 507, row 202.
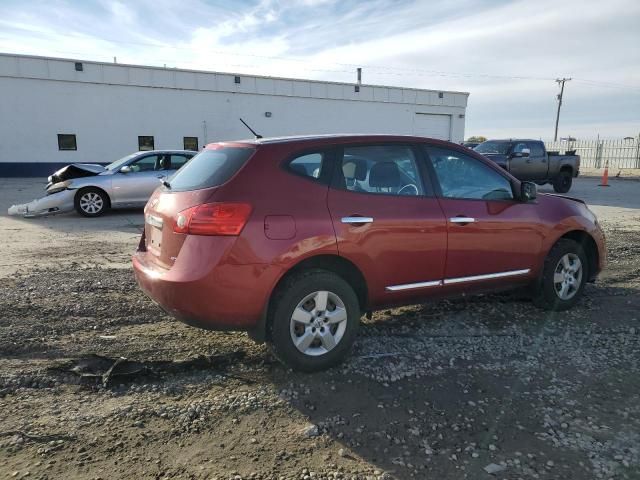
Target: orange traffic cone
column 605, row 176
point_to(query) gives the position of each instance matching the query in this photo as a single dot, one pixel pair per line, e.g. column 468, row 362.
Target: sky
column 506, row 54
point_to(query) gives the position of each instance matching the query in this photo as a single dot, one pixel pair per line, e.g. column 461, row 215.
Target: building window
column 145, row 143
column 191, row 143
column 67, row 141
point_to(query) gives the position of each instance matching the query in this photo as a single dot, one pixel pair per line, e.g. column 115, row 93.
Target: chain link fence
column 596, row 153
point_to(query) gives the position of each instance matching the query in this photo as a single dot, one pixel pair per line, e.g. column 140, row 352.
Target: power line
column 607, row 84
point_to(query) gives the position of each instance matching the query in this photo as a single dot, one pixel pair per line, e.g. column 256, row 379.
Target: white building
column 57, row 111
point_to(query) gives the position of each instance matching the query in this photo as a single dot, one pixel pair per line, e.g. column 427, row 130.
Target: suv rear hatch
column 186, row 204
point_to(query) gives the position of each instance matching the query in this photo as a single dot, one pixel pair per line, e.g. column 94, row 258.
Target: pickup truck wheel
column 562, row 183
column 314, row 321
column 564, row 275
column 91, row 202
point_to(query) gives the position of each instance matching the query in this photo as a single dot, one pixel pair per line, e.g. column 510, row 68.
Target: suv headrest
column 384, row 175
column 354, row 168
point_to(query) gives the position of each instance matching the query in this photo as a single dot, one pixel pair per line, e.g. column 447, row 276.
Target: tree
column 478, row 138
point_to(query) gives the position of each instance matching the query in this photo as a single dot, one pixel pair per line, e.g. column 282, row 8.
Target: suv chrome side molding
column 488, row 276
column 409, row 286
column 357, row 220
column 449, row 281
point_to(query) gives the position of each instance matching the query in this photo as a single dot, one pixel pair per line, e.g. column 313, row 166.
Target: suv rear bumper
column 226, row 297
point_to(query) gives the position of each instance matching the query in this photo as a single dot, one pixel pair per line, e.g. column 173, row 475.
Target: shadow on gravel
column 491, row 369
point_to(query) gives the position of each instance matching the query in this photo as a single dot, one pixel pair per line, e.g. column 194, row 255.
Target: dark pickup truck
column 529, row 160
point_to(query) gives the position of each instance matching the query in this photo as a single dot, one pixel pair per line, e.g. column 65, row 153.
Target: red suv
column 293, row 239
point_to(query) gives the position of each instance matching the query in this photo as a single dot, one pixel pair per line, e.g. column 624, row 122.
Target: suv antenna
column 250, row 129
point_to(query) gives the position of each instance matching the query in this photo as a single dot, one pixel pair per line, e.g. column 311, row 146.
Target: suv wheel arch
column 342, row 267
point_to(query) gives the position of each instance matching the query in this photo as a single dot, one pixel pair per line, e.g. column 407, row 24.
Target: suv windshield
column 210, row 168
column 493, row 146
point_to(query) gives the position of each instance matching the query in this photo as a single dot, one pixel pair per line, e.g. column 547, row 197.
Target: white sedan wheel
column 91, row 203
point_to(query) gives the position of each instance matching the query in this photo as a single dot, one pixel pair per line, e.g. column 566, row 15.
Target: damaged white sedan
column 92, row 189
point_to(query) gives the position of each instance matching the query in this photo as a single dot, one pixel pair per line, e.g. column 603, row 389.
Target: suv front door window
column 461, row 176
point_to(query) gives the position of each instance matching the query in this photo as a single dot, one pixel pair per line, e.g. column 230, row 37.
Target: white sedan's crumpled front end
column 58, row 202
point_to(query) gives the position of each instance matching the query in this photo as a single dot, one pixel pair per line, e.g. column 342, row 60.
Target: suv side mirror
column 125, row 169
column 528, row 191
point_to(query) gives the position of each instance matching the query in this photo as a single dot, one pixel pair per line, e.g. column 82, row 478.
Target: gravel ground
column 96, row 382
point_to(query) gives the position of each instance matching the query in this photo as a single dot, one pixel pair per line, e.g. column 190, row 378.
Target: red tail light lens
column 213, row 219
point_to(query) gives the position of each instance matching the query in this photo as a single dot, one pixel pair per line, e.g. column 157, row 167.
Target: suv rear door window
column 210, row 168
column 463, row 177
column 380, row 169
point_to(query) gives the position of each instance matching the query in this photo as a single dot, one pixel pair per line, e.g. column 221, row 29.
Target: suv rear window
column 210, row 168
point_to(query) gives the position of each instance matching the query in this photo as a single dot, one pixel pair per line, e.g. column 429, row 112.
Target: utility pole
column 560, row 82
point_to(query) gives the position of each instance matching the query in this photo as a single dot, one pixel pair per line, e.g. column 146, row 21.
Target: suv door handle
column 357, row 220
column 463, row 220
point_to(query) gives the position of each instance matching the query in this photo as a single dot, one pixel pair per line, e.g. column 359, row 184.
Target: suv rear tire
column 91, row 202
column 564, row 275
column 562, row 183
column 314, row 320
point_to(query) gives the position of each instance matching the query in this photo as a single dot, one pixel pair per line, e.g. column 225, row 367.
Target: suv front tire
column 564, row 275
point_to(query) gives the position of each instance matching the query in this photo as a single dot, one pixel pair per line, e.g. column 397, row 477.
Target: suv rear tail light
column 213, row 219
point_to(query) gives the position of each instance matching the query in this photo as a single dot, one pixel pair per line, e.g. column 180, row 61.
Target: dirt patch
column 440, row 390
